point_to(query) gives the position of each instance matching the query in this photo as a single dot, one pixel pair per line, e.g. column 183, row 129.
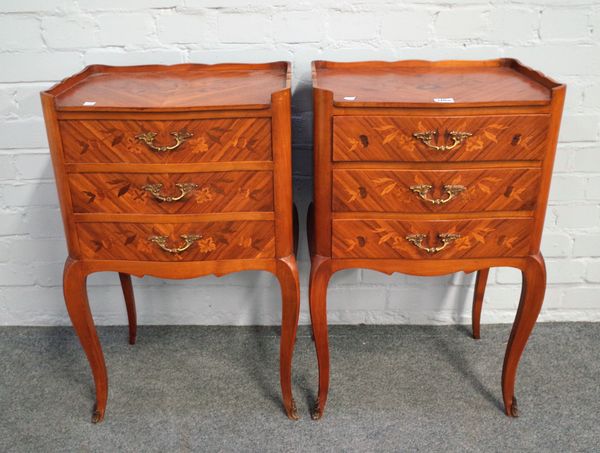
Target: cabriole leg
column 532, row 296
column 127, row 288
column 75, row 292
column 320, row 273
column 287, row 274
column 480, row 283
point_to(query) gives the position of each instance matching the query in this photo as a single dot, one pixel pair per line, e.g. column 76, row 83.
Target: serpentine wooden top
column 417, row 83
column 175, row 88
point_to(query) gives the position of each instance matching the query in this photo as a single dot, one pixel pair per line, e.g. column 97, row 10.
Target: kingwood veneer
column 176, row 172
column 429, row 168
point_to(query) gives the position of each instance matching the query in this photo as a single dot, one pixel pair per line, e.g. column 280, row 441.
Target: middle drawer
column 441, row 191
column 175, row 193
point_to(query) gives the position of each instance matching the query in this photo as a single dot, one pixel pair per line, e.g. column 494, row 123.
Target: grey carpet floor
column 393, row 388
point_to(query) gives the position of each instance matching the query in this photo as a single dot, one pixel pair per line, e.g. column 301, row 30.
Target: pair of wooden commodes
column 425, row 168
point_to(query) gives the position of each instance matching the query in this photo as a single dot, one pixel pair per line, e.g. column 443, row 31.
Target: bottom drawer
column 177, row 242
column 435, row 239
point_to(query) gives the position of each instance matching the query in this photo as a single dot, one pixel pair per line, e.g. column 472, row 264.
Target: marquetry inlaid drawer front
column 200, row 241
column 435, row 239
column 181, row 141
column 175, row 193
column 439, row 139
column 435, row 191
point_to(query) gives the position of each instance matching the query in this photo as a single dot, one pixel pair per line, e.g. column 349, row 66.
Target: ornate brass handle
column 184, row 189
column 188, row 239
column 446, row 238
column 148, row 139
column 457, row 139
column 451, row 189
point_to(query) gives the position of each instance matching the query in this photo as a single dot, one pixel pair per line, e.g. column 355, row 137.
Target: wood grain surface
column 219, row 240
column 512, row 189
column 226, row 139
column 420, row 83
column 390, row 138
column 387, row 238
column 168, row 88
column 233, row 191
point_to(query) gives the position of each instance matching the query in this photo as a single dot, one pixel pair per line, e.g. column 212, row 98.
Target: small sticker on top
column 349, row 98
column 444, row 100
column 89, row 103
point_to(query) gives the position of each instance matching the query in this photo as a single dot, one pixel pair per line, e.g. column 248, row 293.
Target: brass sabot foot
column 97, row 417
column 514, row 409
column 316, row 413
column 292, row 413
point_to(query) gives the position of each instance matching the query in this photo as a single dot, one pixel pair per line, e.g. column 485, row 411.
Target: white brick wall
column 42, row 41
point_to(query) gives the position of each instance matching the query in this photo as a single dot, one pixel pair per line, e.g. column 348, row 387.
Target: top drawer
column 182, row 141
column 439, row 139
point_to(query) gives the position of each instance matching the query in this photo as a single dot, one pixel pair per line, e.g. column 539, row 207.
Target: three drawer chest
column 429, row 168
column 175, row 172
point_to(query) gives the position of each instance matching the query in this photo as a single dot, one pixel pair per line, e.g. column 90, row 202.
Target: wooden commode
column 176, row 172
column 429, row 168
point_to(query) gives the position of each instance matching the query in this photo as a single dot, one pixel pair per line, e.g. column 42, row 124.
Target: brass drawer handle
column 451, row 189
column 457, row 139
column 446, row 238
column 188, row 239
column 148, row 139
column 184, row 189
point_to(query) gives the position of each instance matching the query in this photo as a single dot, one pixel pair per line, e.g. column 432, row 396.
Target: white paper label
column 349, row 98
column 89, row 103
column 444, row 100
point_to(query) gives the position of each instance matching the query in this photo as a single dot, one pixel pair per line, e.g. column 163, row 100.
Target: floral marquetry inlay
column 207, row 244
column 468, row 190
column 178, row 242
column 176, row 193
column 438, row 139
column 443, row 239
column 200, row 145
column 204, row 194
column 178, row 141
